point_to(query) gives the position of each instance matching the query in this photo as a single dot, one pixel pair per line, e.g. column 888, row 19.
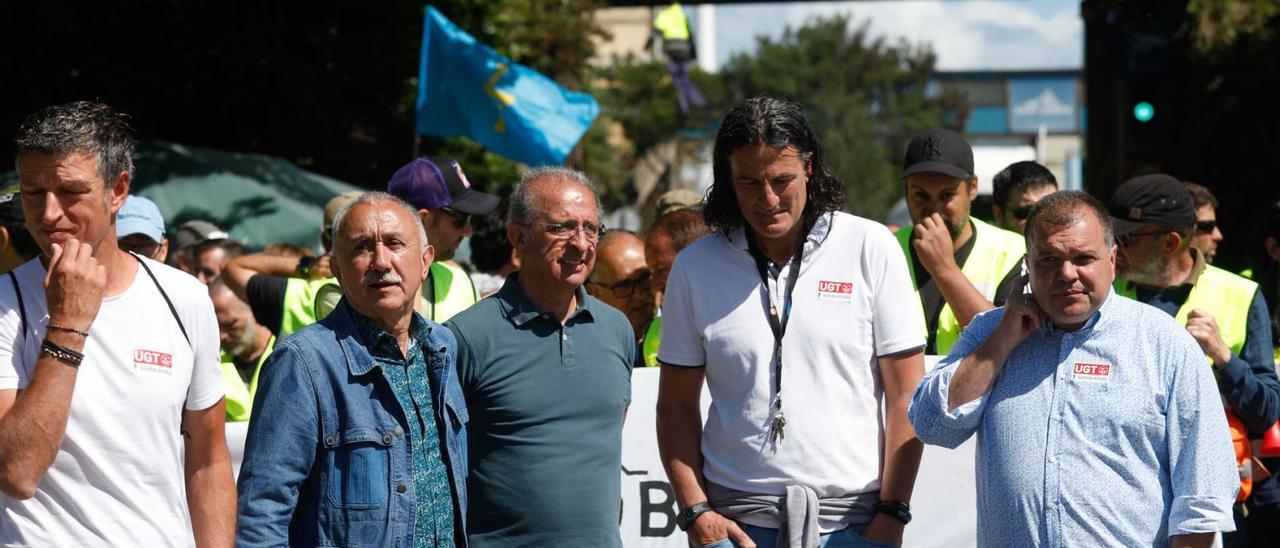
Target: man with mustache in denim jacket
column 358, row 432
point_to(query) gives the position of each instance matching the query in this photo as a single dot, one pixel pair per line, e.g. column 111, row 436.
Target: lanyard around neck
column 778, row 321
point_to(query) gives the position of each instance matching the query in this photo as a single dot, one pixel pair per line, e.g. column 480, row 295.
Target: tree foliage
column 864, row 97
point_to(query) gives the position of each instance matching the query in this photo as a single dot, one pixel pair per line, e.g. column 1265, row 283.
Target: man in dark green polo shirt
column 546, row 371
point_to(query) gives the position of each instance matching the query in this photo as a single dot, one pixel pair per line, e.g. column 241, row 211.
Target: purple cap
column 431, row 183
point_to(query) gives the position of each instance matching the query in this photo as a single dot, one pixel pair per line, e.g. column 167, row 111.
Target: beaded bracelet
column 84, row 334
column 62, row 353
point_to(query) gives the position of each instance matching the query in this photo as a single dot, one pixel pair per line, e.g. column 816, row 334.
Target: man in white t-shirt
column 111, row 411
column 802, row 321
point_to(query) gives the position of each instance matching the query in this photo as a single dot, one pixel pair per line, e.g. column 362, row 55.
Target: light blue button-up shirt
column 1111, row 435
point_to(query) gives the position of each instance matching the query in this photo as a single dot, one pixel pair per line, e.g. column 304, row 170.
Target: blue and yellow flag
column 466, row 88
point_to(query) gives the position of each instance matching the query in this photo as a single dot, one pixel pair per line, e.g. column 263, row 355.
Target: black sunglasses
column 1022, row 212
column 463, row 218
column 1206, row 227
column 626, row 288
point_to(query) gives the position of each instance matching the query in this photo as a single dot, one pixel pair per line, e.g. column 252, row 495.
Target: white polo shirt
column 852, row 302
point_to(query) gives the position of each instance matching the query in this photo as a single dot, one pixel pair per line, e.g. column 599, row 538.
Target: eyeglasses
column 1022, row 212
column 626, row 288
column 1128, row 239
column 1205, row 227
column 462, row 218
column 566, row 231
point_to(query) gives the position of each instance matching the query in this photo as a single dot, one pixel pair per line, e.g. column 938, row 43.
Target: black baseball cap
column 938, row 151
column 1155, row 199
column 430, row 183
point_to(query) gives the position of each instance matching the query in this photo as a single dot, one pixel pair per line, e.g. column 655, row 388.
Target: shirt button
column 401, row 488
column 386, row 439
column 330, row 440
column 398, row 431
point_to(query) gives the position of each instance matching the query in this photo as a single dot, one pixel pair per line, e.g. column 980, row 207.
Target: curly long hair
column 777, row 123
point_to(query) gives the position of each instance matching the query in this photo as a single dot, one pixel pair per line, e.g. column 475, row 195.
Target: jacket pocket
column 358, row 471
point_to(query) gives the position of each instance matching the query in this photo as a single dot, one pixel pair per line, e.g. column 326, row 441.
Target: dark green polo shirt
column 546, row 403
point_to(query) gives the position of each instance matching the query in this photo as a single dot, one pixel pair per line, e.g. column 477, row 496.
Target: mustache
column 384, row 277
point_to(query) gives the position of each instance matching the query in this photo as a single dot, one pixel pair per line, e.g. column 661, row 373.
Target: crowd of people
column 1122, row 388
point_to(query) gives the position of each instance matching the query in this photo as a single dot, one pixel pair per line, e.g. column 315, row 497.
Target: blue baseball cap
column 431, row 183
column 139, row 215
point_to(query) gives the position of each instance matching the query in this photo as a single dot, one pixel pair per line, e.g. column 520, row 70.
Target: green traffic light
column 1144, row 111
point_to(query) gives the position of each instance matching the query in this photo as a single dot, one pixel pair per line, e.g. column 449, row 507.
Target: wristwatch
column 304, row 266
column 900, row 511
column 685, row 518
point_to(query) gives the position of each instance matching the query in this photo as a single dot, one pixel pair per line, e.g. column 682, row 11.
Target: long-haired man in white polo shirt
column 801, row 319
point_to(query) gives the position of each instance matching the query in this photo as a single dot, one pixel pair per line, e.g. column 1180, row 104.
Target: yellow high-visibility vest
column 300, row 303
column 239, row 396
column 672, row 23
column 651, row 342
column 1226, row 297
column 995, row 252
column 450, row 292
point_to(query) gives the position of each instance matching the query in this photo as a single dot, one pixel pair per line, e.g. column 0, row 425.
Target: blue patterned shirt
column 433, row 516
column 1111, row 435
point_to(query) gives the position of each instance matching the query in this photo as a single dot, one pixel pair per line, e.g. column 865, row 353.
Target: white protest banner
column 943, row 505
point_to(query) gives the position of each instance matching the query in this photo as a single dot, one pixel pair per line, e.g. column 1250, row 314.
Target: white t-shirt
column 852, row 302
column 118, row 478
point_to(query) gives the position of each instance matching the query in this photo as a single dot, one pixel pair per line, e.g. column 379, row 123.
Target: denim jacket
column 326, row 459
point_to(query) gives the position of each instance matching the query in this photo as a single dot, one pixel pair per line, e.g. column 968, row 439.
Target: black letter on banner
column 665, row 507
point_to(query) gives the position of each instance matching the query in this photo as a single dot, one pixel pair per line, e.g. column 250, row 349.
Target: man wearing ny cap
column 959, row 264
column 289, row 293
column 140, row 228
column 16, row 244
column 445, row 202
column 1155, row 220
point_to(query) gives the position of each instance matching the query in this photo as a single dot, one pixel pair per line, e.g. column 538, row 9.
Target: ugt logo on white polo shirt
column 152, row 361
column 835, row 291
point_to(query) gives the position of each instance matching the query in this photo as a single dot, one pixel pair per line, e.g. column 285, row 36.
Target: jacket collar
column 354, row 351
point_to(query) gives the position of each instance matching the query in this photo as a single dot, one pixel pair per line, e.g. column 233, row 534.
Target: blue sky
column 966, row 34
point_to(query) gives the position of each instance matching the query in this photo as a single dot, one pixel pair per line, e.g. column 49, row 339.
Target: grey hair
column 82, row 126
column 1065, row 207
column 523, row 209
column 377, row 197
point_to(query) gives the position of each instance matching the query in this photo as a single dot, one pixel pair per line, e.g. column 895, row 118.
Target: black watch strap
column 304, row 266
column 686, row 516
column 900, row 511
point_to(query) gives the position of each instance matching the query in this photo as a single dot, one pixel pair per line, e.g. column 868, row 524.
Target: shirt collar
column 379, row 343
column 520, row 310
column 821, row 228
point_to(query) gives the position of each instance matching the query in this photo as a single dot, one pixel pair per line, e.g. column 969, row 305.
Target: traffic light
column 1144, row 111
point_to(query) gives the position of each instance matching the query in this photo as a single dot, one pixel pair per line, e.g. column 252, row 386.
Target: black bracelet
column 62, row 353
column 84, row 334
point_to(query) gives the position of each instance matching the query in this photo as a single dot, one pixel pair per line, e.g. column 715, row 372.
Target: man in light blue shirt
column 1098, row 421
